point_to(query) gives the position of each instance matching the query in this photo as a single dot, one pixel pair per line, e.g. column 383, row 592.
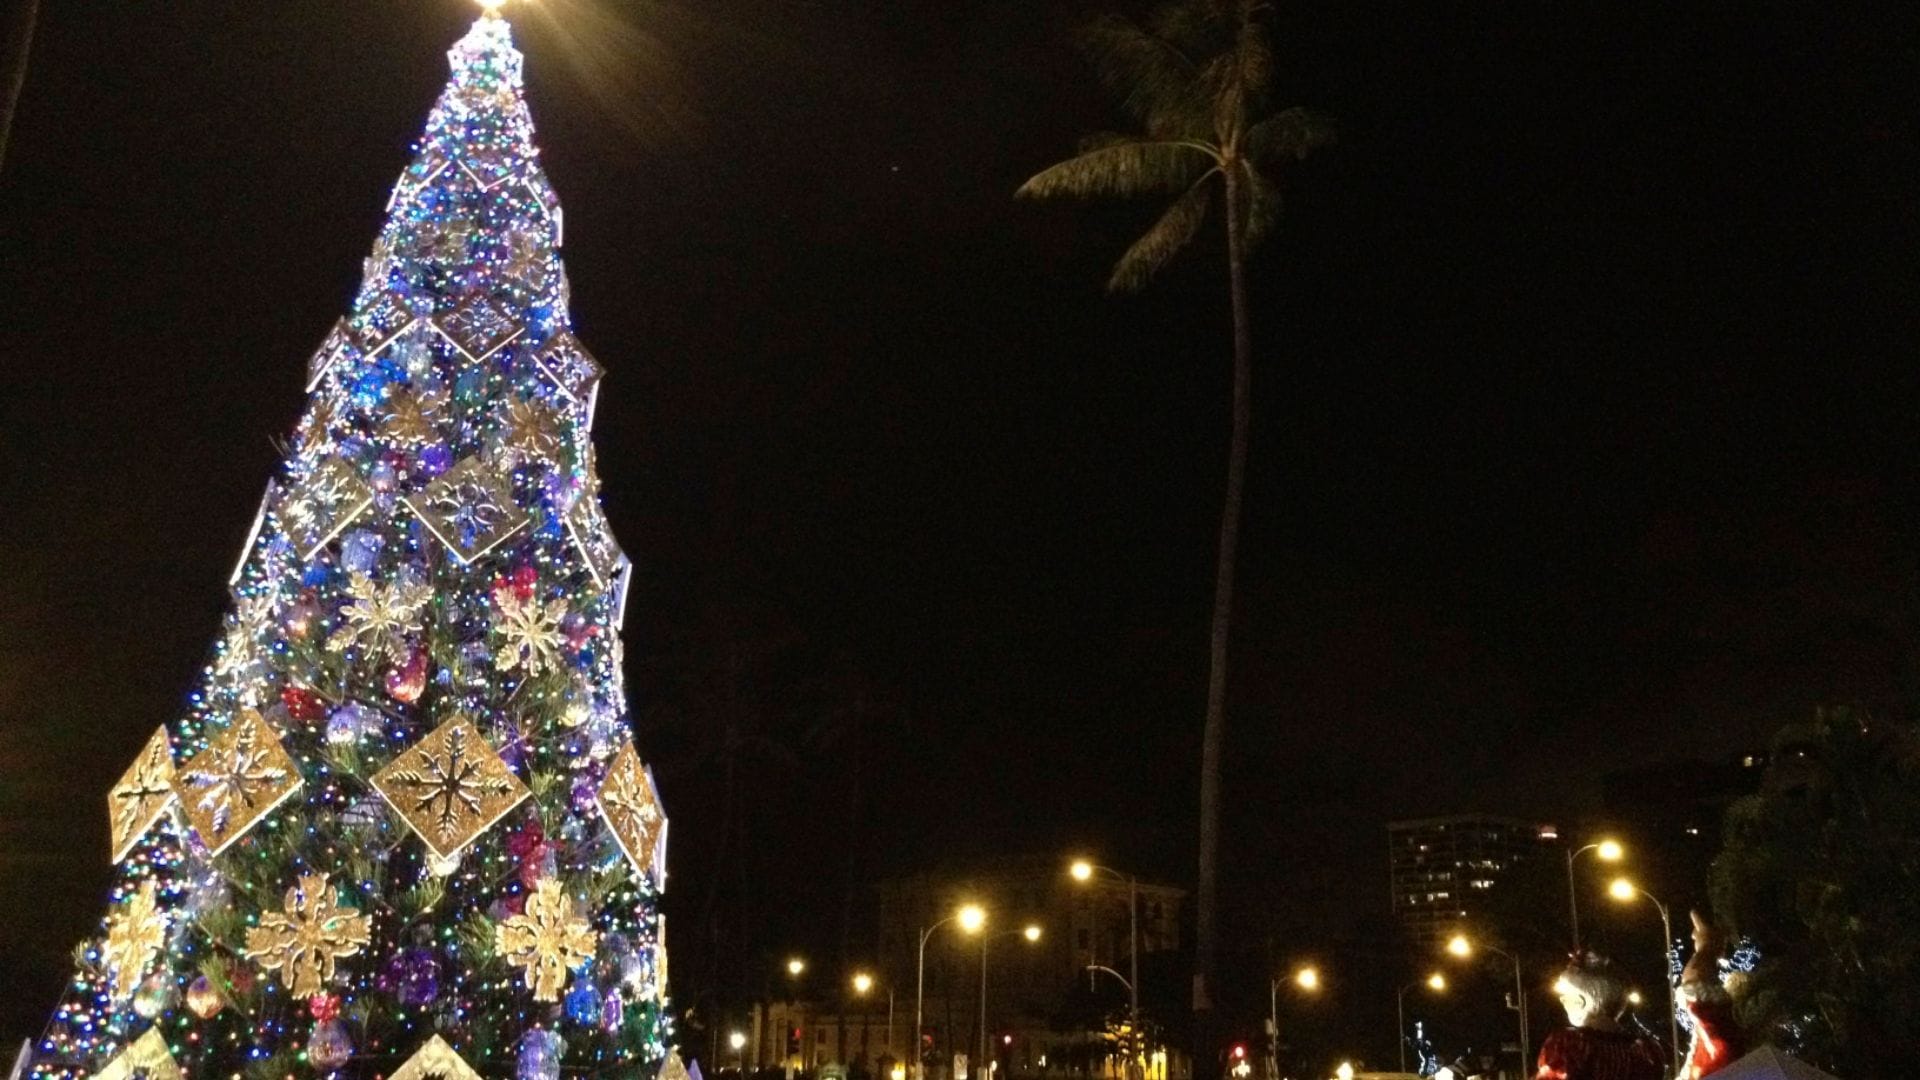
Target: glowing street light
column 1306, row 977
column 1625, row 891
column 1608, row 851
column 862, row 983
column 971, row 918
column 795, row 966
column 1032, row 933
column 1460, row 946
column 1435, row 982
column 1083, row 872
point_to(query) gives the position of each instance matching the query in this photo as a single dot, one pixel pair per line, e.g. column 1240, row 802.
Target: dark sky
column 1584, row 425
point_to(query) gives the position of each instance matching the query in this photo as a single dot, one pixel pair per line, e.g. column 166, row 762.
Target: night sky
column 1584, row 427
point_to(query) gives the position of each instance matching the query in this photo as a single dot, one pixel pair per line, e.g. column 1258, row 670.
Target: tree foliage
column 1196, row 77
column 1821, row 872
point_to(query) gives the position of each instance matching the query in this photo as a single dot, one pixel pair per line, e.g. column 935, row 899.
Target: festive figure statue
column 402, row 829
column 1596, row 1046
column 1717, row 1040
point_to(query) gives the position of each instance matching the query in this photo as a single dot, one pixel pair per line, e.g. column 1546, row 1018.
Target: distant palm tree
column 1196, row 76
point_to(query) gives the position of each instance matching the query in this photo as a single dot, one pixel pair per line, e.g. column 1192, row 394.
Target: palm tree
column 1195, row 77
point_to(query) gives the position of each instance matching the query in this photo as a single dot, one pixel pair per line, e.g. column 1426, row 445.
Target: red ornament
column 525, row 577
column 408, row 681
column 324, row 1007
column 302, row 704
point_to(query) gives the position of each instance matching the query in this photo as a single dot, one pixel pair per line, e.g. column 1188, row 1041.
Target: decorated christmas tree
column 401, row 829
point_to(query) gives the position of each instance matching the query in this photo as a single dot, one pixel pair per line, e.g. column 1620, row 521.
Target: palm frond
column 1158, row 245
column 1154, row 78
column 1133, row 167
column 1262, row 205
column 1293, row 133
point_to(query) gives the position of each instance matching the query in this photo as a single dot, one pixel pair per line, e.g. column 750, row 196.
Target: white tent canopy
column 1767, row 1063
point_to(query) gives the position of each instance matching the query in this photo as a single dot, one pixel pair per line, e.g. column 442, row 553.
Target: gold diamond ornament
column 450, row 787
column 242, row 775
column 468, row 509
column 148, row 1058
column 135, row 935
column 304, row 942
column 142, row 795
column 549, row 940
column 631, row 806
column 435, row 1060
column 323, row 505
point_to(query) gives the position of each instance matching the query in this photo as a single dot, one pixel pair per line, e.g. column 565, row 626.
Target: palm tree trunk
column 1206, row 925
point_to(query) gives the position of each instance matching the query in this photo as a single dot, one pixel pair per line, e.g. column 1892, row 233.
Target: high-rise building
column 1442, row 868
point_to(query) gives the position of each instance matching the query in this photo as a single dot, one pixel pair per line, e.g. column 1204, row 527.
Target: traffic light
column 1239, row 1051
column 793, row 1040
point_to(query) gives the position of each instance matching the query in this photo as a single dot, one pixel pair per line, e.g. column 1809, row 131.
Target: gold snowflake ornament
column 148, row 1058
column 411, row 418
column 435, row 1060
column 530, row 429
column 631, row 806
column 238, row 779
column 530, row 633
column 135, row 935
column 549, row 940
column 304, row 942
column 450, row 787
column 379, row 617
column 142, row 795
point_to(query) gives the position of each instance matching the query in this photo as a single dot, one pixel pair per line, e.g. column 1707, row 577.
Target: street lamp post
column 1307, row 978
column 1607, row 850
column 1624, row 891
column 862, row 983
column 1084, row 871
column 1435, row 982
column 1032, row 934
column 738, row 1041
column 1460, row 946
column 795, row 968
column 971, row 918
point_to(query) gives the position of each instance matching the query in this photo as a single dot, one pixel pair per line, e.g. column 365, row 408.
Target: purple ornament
column 435, row 459
column 329, row 1046
column 360, row 550
column 613, row 1011
column 351, row 721
column 412, row 977
column 540, row 1053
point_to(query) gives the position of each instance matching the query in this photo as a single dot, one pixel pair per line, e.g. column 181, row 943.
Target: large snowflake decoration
column 142, row 795
column 135, row 935
column 571, row 369
column 548, row 940
column 530, row 633
column 237, row 780
column 325, row 503
column 304, row 942
column 478, row 328
column 631, row 805
column 468, row 509
column 450, row 787
column 379, row 618
column 530, row 429
column 412, row 417
column 252, row 621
